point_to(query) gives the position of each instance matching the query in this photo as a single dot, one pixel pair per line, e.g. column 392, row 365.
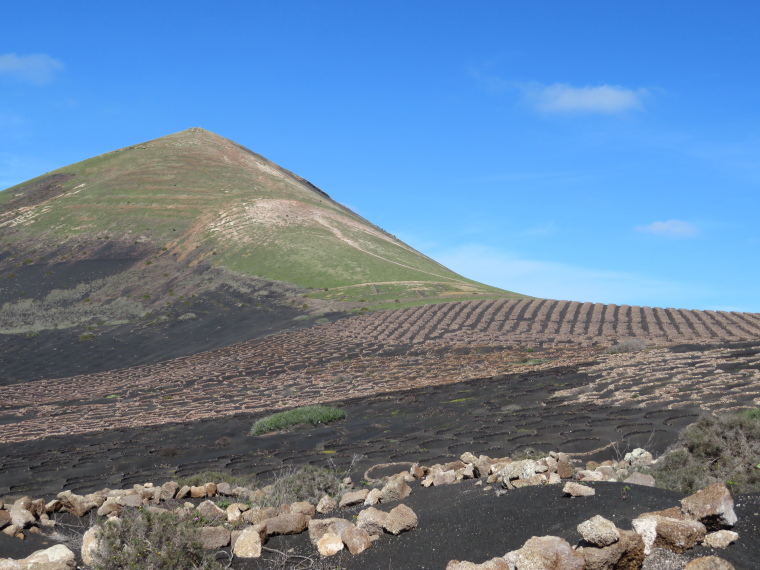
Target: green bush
column 316, row 414
column 679, row 471
column 725, row 448
column 152, row 542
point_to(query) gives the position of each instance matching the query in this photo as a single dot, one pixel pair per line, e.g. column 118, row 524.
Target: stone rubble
column 703, row 517
column 603, row 545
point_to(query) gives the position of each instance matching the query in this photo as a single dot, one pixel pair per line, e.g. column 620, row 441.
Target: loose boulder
column 400, row 519
column 673, row 534
column 638, row 458
column 357, row 540
column 721, row 538
column 578, row 490
column 20, row 516
column 329, row 544
column 637, row 478
column 76, row 504
column 288, row 523
column 599, row 531
column 319, row 527
column 249, row 543
column 91, row 545
column 709, row 563
column 564, row 467
column 372, row 520
column 209, row 511
column 258, row 515
column 493, row 564
column 304, row 508
column 326, row 505
column 627, row 553
column 373, row 497
column 353, row 498
column 395, row 490
column 58, row 557
column 5, row 518
column 545, row 553
column 712, row 506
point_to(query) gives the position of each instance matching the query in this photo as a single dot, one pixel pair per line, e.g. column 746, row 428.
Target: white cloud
column 37, row 68
column 563, row 281
column 603, row 99
column 671, row 228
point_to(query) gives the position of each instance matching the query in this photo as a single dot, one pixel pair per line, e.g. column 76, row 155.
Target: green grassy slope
column 196, row 198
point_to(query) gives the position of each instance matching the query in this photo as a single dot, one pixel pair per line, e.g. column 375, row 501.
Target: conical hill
column 145, row 231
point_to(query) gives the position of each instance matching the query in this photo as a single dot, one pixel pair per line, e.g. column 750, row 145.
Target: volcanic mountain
column 196, row 233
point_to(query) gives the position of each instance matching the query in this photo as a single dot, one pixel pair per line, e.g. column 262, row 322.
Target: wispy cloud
column 554, row 280
column 541, row 230
column 36, row 68
column 671, row 228
column 602, row 99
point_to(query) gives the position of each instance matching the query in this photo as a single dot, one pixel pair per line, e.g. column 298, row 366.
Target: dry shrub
column 150, row 541
column 723, row 449
column 309, row 483
column 217, row 477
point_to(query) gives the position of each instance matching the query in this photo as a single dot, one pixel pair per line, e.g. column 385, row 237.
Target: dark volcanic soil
column 464, row 522
column 221, row 318
column 469, row 522
column 35, row 192
column 412, row 393
column 434, row 424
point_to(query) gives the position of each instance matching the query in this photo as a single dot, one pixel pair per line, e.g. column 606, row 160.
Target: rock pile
column 244, row 525
column 515, row 473
column 604, row 546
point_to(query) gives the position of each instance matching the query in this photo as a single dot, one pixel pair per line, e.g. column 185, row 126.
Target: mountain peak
column 193, row 200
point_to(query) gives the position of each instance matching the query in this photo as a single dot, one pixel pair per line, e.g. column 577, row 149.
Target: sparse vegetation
column 309, row 483
column 216, row 477
column 315, row 414
column 151, row 541
column 528, row 453
column 725, row 448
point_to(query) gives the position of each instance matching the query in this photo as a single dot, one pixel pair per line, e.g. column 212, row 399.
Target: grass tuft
column 316, row 414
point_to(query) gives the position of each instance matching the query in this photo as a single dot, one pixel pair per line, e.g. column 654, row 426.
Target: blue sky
column 591, row 151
